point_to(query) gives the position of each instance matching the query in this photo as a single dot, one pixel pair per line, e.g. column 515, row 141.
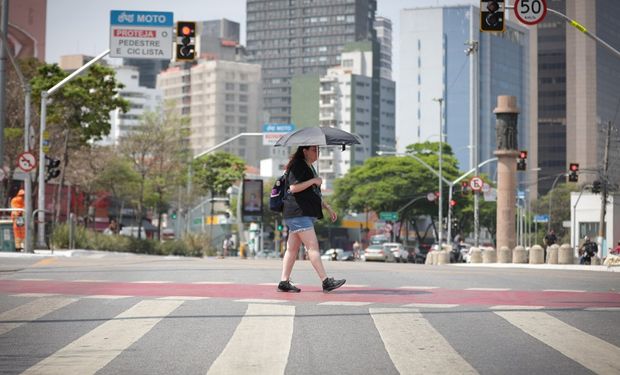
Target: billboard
column 252, row 203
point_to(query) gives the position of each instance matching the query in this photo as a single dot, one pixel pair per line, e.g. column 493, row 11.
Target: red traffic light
column 186, row 30
column 465, row 184
column 452, row 203
column 522, row 154
column 574, row 167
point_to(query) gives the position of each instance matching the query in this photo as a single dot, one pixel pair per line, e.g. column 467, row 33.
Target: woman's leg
column 292, row 249
column 308, row 237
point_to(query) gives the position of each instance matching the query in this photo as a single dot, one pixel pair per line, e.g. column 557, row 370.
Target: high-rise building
column 219, row 40
column 148, row 69
column 346, row 102
column 433, row 65
column 592, row 95
column 383, row 26
column 222, row 99
column 141, row 100
column 295, row 37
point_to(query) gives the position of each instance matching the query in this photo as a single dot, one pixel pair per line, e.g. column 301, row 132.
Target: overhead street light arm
column 211, row 149
column 392, row 153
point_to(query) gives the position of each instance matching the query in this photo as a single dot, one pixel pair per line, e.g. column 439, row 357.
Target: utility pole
column 4, row 27
column 472, row 52
column 440, row 212
column 604, row 180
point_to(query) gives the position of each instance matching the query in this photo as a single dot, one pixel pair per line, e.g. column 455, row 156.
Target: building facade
column 221, row 99
column 296, row 37
column 141, row 100
column 383, row 26
column 433, row 65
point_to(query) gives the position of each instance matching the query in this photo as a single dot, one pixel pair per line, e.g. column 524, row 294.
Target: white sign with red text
column 141, row 34
column 530, row 12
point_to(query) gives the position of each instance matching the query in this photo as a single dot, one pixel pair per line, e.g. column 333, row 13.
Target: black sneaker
column 330, row 284
column 286, row 286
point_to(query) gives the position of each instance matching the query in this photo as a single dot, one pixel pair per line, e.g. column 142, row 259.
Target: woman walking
column 303, row 205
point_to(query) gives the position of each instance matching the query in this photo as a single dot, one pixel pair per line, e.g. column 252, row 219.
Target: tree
column 388, row 183
column 14, row 119
column 216, row 172
column 169, row 153
column 79, row 112
column 560, row 210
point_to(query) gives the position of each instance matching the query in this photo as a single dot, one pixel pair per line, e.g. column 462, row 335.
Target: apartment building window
column 229, row 119
column 230, row 86
column 243, row 87
column 230, row 97
column 230, row 108
column 243, row 108
column 243, row 98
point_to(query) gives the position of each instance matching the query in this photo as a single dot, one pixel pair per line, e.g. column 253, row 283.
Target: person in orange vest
column 19, row 223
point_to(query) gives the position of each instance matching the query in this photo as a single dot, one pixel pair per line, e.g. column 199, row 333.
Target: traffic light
column 186, row 41
column 492, row 15
column 280, row 227
column 173, row 215
column 464, row 188
column 596, row 187
column 452, row 203
column 521, row 163
column 52, row 168
column 572, row 172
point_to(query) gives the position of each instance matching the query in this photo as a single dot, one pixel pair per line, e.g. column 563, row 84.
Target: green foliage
column 217, row 172
column 83, row 105
column 388, row 183
column 560, row 210
column 88, row 239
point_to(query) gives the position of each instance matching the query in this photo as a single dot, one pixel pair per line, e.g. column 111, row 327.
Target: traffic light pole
column 44, row 97
column 451, row 185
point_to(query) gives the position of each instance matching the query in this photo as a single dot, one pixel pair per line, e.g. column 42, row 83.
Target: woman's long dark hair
column 298, row 155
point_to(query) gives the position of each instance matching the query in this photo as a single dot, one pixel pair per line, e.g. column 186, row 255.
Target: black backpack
column 278, row 192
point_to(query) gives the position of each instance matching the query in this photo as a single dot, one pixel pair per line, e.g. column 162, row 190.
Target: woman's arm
column 301, row 186
column 332, row 213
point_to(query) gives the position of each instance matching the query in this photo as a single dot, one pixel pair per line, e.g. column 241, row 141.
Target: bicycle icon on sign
column 124, row 17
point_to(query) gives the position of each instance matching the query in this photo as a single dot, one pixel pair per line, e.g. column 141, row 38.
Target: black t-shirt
column 306, row 202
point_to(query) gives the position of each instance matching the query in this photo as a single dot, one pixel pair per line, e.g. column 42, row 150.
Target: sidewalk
column 574, row 267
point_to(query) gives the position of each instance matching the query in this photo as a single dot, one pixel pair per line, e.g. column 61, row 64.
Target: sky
column 83, row 26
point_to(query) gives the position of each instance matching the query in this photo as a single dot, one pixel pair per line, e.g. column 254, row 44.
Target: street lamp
column 550, row 196
column 440, row 211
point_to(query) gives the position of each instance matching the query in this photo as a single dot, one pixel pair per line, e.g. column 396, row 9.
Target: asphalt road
column 91, row 312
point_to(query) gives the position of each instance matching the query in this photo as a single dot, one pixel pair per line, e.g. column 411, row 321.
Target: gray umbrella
column 320, row 136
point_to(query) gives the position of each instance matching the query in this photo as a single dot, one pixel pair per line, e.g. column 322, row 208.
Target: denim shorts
column 299, row 223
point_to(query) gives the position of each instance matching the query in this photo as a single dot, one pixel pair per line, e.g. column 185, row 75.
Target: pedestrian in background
column 19, row 222
column 303, row 205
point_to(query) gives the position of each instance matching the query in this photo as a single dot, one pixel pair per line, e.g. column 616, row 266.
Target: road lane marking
column 344, row 303
column 91, row 352
column 488, row 289
column 213, row 282
column 260, row 344
column 421, row 287
column 37, row 295
column 30, row 311
column 32, row 279
column 355, row 286
column 414, row 346
column 431, row 305
column 45, row 262
column 90, row 281
column 597, row 355
column 151, row 282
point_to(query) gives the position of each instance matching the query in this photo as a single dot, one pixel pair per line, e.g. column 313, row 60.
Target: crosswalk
column 58, row 334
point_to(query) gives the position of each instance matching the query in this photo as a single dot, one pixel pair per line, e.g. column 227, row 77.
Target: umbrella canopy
column 319, row 136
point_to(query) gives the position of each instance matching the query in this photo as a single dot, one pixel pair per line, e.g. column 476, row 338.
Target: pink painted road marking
column 315, row 294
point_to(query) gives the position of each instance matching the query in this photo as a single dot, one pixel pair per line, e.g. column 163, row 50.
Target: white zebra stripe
column 414, row 346
column 591, row 352
column 31, row 311
column 260, row 344
column 97, row 348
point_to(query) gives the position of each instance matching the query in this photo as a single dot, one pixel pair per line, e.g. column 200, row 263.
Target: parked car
column 378, row 253
column 400, row 254
column 337, row 254
column 379, row 239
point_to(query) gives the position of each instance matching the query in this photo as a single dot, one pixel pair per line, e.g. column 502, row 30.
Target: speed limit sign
column 530, row 12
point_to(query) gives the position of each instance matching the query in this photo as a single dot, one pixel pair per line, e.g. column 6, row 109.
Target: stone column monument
column 506, row 138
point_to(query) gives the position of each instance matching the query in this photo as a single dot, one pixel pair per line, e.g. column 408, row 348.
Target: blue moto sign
column 141, row 35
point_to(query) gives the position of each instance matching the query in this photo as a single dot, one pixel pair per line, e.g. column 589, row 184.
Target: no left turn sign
column 530, row 12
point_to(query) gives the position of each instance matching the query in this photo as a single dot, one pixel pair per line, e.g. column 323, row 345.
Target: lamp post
column 551, row 196
column 440, row 210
